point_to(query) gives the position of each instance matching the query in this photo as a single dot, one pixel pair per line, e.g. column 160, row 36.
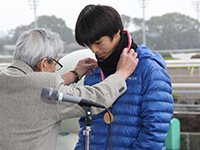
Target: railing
column 186, row 85
column 186, row 109
column 191, row 63
column 3, row 65
column 183, row 63
column 178, row 51
column 170, row 63
column 180, row 86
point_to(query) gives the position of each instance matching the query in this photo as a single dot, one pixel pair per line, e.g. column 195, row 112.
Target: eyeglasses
column 58, row 65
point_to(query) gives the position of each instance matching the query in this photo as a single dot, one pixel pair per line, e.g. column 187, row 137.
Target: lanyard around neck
column 128, row 47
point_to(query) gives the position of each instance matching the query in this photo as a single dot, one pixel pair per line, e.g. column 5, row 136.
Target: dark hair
column 96, row 21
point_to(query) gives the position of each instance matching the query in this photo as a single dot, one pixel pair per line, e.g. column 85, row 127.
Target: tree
column 137, row 35
column 1, row 47
column 173, row 31
column 4, row 41
column 15, row 33
column 55, row 24
column 170, row 31
column 126, row 21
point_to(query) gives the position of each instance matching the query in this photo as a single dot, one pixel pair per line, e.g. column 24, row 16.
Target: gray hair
column 34, row 45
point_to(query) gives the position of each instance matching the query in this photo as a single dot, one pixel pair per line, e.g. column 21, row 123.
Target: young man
column 141, row 117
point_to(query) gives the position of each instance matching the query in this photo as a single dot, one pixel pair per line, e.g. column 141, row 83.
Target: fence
column 3, row 65
column 191, row 64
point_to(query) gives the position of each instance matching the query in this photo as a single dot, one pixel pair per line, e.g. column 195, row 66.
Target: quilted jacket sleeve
column 156, row 107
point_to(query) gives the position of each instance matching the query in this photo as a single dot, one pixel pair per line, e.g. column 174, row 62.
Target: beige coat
column 29, row 122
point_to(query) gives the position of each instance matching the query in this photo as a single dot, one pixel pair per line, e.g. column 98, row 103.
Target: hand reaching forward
column 84, row 65
column 82, row 68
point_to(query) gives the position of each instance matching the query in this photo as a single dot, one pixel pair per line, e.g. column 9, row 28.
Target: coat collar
column 21, row 66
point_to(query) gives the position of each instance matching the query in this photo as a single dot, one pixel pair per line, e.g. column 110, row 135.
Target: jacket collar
column 21, row 66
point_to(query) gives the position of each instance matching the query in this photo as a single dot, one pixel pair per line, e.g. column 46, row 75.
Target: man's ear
column 42, row 65
column 118, row 33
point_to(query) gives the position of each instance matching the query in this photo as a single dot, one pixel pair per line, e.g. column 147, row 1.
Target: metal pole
column 35, row 16
column 198, row 12
column 196, row 7
column 143, row 4
column 33, row 4
column 144, row 33
column 88, row 124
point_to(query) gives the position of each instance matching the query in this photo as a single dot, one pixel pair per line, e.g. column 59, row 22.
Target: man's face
column 104, row 46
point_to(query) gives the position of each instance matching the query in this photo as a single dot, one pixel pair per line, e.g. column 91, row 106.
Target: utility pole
column 33, row 4
column 143, row 4
column 196, row 5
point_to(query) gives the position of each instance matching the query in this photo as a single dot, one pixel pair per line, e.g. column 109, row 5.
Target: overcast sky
column 14, row 13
